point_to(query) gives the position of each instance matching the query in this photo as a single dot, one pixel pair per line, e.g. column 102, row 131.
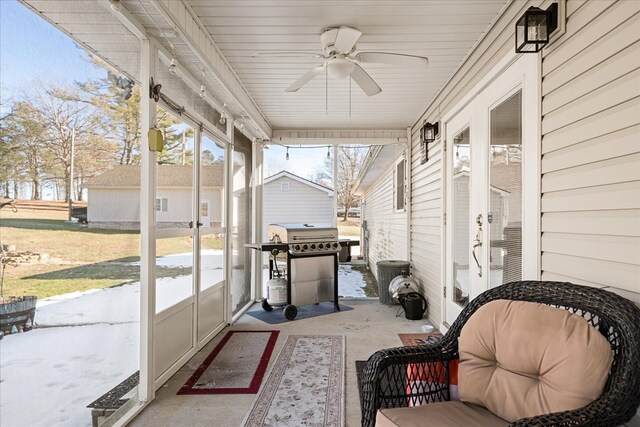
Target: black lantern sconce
column 534, row 27
column 428, row 134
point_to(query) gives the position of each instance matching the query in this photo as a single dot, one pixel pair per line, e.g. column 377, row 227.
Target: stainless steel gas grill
column 311, row 252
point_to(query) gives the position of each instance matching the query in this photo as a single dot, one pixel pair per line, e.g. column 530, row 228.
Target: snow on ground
column 86, row 343
column 49, row 375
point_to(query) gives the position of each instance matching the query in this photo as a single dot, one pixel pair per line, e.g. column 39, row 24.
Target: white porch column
column 146, row 389
column 335, row 185
column 228, row 213
column 256, row 235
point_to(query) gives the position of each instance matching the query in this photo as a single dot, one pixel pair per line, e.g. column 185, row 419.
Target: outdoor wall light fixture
column 534, row 27
column 203, row 92
column 428, row 134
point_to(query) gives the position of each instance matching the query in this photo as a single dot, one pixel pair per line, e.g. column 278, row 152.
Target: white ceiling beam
column 200, row 42
column 339, row 136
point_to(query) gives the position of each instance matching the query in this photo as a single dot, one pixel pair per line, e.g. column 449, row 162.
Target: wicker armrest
column 404, row 376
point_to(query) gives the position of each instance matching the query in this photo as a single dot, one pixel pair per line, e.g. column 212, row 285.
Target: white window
column 399, row 185
column 162, row 204
column 284, row 186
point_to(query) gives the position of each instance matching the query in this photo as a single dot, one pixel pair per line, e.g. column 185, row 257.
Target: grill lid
column 295, row 232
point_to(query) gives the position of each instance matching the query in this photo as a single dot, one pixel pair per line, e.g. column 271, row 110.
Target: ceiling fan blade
column 393, row 59
column 306, row 77
column 346, row 39
column 285, row 53
column 364, row 80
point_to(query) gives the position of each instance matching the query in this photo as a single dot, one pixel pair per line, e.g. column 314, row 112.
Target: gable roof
column 167, row 176
column 286, row 174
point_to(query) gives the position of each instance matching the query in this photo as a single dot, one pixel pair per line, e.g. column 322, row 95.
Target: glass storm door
column 492, row 188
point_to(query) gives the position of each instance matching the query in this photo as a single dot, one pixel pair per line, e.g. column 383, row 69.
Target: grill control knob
column 313, row 246
column 335, row 246
column 297, row 247
column 305, row 247
column 320, row 245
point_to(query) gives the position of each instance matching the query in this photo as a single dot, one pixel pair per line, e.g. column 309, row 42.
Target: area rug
column 305, row 386
column 306, row 311
column 235, row 366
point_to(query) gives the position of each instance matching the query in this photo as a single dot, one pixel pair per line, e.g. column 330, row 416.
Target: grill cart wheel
column 266, row 306
column 290, row 312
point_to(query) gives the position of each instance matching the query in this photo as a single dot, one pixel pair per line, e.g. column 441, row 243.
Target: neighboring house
column 113, row 199
column 289, row 198
column 570, row 197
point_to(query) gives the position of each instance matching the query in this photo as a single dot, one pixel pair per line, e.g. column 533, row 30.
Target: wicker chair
column 388, row 372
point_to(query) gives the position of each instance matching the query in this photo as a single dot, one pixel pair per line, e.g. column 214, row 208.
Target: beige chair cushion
column 439, row 414
column 521, row 359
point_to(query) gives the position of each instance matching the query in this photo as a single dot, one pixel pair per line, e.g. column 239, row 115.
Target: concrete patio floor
column 368, row 327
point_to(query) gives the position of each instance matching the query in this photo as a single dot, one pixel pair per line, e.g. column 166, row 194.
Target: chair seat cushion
column 522, row 359
column 439, row 414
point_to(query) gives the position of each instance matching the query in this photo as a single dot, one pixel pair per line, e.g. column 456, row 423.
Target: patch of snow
column 49, row 375
column 88, row 342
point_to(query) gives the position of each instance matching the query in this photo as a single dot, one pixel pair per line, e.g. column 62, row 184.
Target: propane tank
column 277, row 291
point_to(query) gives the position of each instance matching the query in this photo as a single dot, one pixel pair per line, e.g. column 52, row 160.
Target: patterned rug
column 305, row 386
column 235, row 366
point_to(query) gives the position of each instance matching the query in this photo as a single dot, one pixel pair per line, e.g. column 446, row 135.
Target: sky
column 31, row 49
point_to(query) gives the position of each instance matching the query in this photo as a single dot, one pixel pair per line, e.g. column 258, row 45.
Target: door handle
column 477, row 243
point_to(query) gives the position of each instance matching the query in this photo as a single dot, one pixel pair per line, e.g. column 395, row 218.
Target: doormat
column 306, row 311
column 235, row 366
column 305, row 386
column 420, row 338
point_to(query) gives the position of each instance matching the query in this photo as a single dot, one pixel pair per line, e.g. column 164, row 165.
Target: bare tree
column 350, row 160
column 70, row 125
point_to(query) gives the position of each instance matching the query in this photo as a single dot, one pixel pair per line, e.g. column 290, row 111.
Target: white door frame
column 513, row 72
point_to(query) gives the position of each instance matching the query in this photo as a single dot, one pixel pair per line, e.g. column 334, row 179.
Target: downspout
column 407, row 204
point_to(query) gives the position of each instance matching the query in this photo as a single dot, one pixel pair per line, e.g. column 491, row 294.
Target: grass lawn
column 80, row 258
column 349, row 228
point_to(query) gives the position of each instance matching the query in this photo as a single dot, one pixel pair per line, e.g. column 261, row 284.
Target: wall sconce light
column 534, row 27
column 428, row 134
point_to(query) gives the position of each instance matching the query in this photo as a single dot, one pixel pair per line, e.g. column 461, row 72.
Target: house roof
column 285, row 174
column 167, row 176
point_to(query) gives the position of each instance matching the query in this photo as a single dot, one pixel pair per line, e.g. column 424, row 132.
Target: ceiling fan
column 341, row 60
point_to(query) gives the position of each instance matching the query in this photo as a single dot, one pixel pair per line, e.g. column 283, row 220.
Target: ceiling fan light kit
column 342, row 60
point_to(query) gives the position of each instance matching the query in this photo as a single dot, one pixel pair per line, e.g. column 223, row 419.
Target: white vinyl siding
column 387, row 226
column 591, row 149
column 590, row 182
column 300, row 203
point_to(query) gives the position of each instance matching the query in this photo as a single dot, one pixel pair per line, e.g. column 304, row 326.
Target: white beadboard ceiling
column 442, row 30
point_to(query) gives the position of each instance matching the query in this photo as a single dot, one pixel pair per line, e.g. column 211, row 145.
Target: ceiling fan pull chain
column 326, row 91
